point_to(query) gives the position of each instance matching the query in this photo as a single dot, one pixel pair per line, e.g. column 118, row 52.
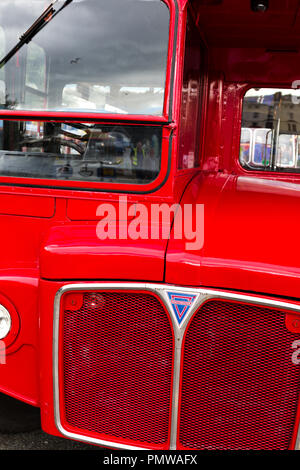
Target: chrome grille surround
column 202, row 295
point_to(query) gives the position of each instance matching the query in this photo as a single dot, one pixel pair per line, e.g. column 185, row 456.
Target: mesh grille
column 239, row 386
column 117, row 366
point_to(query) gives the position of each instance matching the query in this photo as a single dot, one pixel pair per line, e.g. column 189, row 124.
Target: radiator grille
column 239, row 385
column 117, row 368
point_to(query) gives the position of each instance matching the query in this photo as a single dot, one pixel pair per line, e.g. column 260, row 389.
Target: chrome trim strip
column 297, row 444
column 178, row 330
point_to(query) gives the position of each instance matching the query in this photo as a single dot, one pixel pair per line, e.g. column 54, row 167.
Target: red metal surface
column 231, row 23
column 30, row 206
column 240, row 387
column 292, row 322
column 78, row 116
column 116, row 368
column 247, row 236
column 20, row 374
column 73, row 251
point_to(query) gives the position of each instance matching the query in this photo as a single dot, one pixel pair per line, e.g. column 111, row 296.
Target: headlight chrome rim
column 5, row 322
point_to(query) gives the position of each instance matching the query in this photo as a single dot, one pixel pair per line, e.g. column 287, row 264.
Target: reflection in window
column 36, row 67
column 262, row 147
column 80, row 151
column 270, row 134
column 2, row 76
column 35, row 81
column 102, row 56
column 191, row 99
column 245, row 145
column 286, row 151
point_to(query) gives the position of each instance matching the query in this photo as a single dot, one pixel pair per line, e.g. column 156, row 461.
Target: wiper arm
column 34, row 29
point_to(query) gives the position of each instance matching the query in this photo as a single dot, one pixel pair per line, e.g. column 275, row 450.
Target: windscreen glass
column 84, row 55
column 80, row 151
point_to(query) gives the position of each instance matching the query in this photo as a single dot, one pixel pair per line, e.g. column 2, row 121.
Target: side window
column 270, row 134
column 191, row 99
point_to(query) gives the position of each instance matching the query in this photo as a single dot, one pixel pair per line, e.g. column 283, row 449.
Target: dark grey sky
column 118, row 41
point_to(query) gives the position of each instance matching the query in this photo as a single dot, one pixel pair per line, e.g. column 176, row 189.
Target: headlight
column 5, row 322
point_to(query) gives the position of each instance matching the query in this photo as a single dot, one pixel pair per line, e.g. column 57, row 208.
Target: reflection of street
column 113, row 99
column 286, row 151
column 256, row 148
column 108, row 169
column 98, row 169
column 262, row 147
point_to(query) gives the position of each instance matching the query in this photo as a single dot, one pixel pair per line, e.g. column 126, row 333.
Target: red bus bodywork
column 48, row 239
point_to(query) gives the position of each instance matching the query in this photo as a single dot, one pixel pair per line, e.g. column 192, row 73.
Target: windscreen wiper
column 34, row 29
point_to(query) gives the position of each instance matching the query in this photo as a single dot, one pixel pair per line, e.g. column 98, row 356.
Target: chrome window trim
column 178, row 330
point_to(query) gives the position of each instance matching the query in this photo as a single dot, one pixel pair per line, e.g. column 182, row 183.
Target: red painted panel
column 81, row 209
column 73, row 251
column 250, row 237
column 19, row 375
column 31, row 206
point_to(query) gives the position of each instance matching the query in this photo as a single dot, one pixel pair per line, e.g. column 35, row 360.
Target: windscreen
column 104, row 56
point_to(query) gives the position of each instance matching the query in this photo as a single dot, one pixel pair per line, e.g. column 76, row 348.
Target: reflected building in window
column 270, row 130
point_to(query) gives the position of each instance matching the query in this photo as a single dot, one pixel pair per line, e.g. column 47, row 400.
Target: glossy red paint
column 247, row 238
column 48, row 228
column 30, row 206
column 60, row 116
column 73, row 251
column 292, row 323
column 19, row 294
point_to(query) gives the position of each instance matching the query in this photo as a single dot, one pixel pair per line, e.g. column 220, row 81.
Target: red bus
column 122, row 334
